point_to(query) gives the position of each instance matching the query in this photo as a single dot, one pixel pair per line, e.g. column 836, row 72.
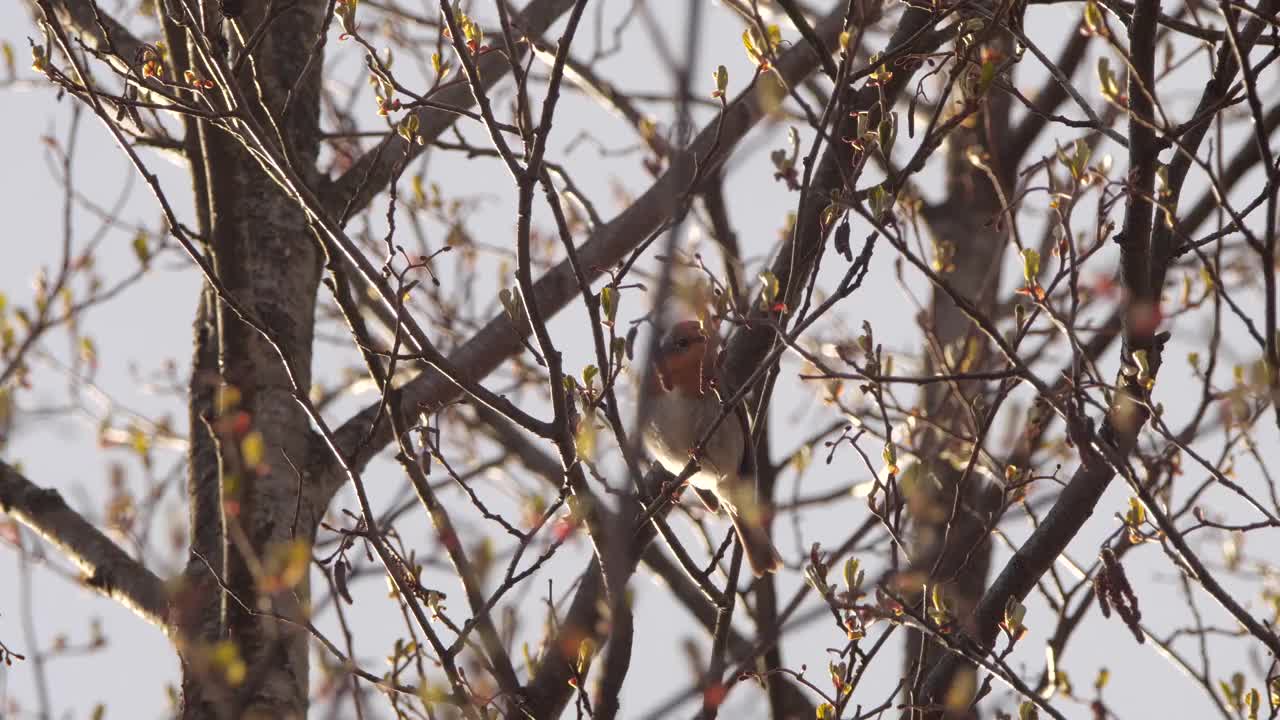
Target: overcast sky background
column 149, row 326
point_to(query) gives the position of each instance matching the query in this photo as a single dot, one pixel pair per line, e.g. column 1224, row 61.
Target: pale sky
column 149, row 325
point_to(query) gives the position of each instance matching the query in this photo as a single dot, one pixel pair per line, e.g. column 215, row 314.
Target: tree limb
column 107, row 569
column 99, row 31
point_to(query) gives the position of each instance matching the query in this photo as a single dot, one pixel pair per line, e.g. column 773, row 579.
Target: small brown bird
column 685, row 404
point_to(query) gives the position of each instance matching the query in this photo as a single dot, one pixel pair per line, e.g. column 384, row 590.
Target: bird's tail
column 756, row 544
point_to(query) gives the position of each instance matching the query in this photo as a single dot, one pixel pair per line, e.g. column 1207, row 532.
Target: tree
column 1039, row 219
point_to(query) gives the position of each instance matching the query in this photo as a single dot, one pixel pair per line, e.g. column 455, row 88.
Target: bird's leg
column 708, row 498
column 673, row 489
column 695, row 454
column 710, row 384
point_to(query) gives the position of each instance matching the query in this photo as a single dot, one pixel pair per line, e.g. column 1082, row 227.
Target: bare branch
column 371, row 173
column 107, row 569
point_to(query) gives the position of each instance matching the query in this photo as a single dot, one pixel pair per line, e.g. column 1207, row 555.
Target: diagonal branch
column 353, row 190
column 806, row 32
column 99, row 31
column 1215, row 93
column 107, row 569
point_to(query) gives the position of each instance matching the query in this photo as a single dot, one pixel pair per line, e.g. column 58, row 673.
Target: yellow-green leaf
column 987, row 77
column 140, row 248
column 1093, row 20
column 1137, row 514
column 584, row 440
column 722, row 81
column 1110, row 87
column 1030, row 265
column 253, row 449
column 852, row 574
column 769, row 289
column 586, row 650
column 609, row 301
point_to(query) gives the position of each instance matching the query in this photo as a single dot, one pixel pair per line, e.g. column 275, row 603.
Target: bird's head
column 686, row 358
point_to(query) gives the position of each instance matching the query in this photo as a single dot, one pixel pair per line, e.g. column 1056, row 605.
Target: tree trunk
column 951, row 506
column 264, row 254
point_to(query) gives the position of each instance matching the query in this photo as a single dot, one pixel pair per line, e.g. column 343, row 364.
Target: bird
column 683, row 389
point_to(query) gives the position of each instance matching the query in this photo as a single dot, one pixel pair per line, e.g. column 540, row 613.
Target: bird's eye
column 682, row 343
